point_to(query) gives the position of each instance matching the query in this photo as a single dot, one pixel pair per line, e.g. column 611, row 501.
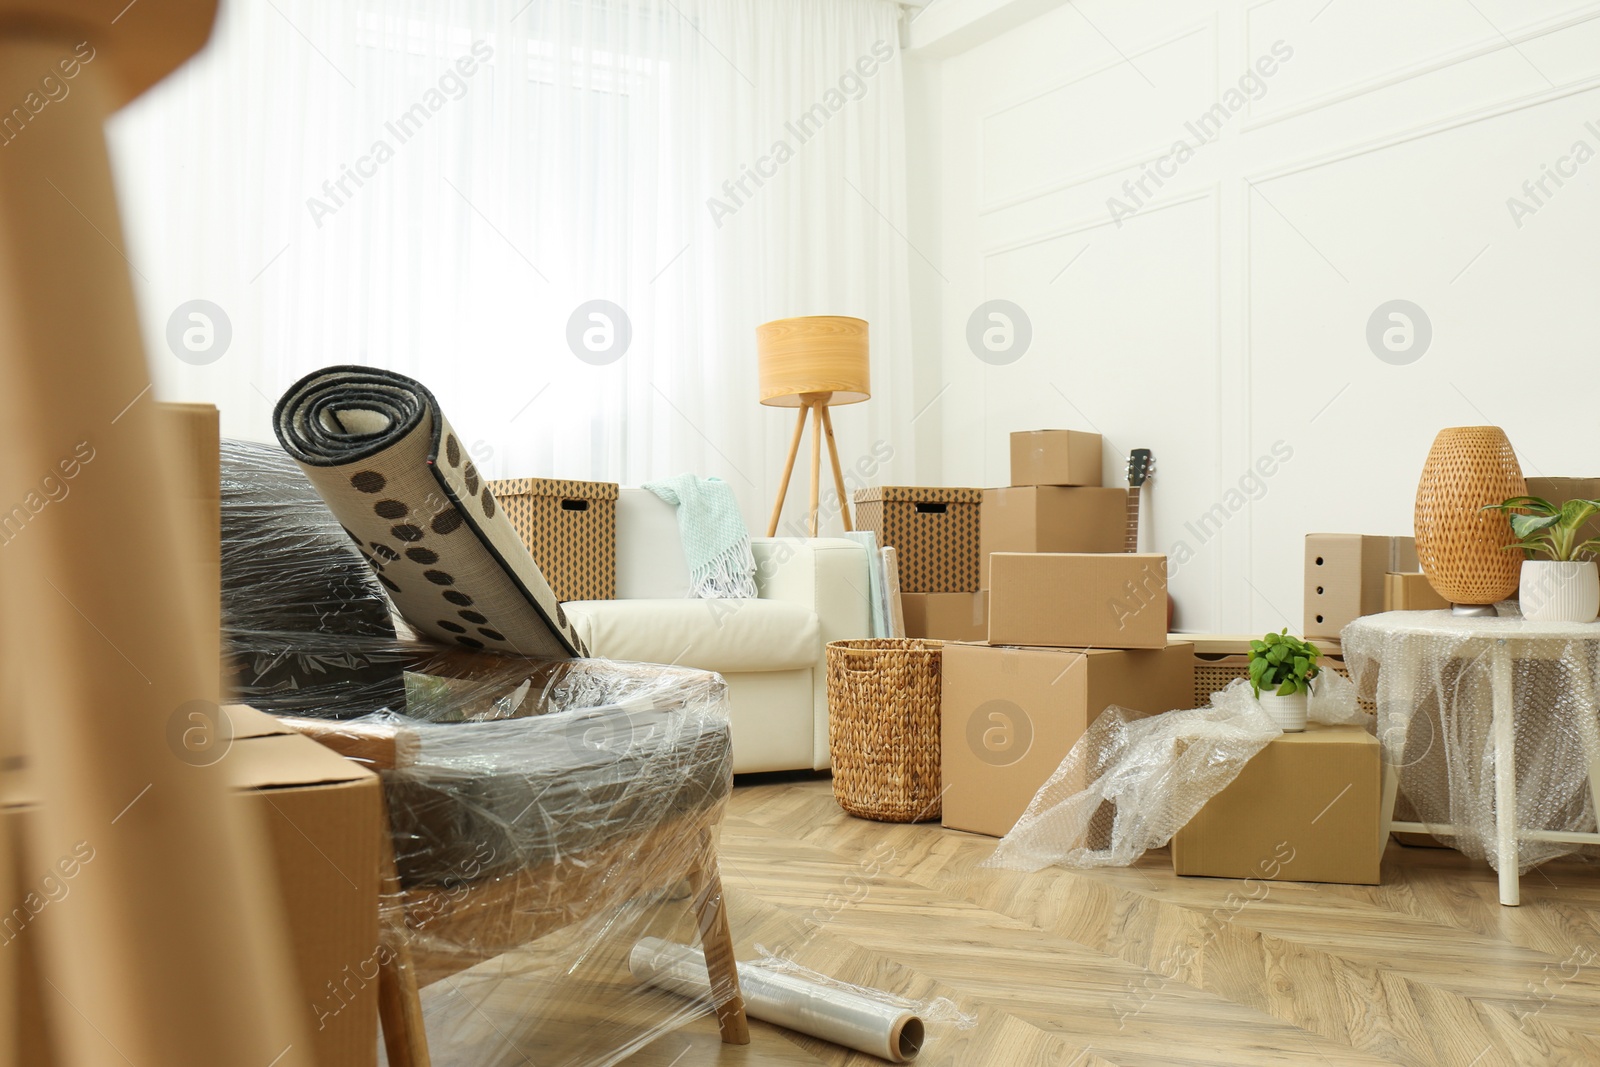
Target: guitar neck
column 1131, row 537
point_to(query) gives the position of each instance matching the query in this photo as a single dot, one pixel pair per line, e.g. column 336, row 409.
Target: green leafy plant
column 1282, row 664
column 1540, row 526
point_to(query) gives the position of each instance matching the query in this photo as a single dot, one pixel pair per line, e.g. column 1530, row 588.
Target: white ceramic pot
column 1289, row 712
column 1560, row 592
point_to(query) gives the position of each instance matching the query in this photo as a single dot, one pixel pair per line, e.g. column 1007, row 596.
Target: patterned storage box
column 934, row 531
column 571, row 530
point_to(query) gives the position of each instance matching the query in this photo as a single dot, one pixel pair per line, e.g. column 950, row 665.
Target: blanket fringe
column 730, row 576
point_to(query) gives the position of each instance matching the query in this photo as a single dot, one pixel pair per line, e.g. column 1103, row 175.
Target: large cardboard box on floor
column 1048, row 518
column 1344, row 577
column 1079, row 600
column 1010, row 715
column 946, row 616
column 1055, row 457
column 322, row 818
column 1305, row 809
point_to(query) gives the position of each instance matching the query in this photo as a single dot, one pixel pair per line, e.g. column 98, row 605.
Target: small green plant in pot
column 1565, row 587
column 1281, row 670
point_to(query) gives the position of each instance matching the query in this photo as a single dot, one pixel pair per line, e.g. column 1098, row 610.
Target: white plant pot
column 1289, row 712
column 1560, row 592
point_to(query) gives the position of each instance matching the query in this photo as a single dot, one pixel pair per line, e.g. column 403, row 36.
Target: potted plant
column 1281, row 669
column 1565, row 587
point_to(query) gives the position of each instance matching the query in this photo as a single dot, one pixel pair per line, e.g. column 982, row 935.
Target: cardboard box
column 1411, row 592
column 323, row 820
column 933, row 530
column 1305, row 809
column 1051, row 519
column 1055, row 457
column 1344, row 577
column 1009, row 716
column 946, row 616
column 570, row 529
column 1220, row 658
column 1078, row 600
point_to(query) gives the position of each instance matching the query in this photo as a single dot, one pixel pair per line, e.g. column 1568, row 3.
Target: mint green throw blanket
column 716, row 543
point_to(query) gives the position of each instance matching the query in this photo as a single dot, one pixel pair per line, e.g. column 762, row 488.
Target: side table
column 1492, row 679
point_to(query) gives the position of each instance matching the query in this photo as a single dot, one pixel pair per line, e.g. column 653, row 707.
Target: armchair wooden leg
column 716, row 940
column 399, row 1001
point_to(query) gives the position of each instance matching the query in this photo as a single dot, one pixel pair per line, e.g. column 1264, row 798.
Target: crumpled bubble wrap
column 1133, row 780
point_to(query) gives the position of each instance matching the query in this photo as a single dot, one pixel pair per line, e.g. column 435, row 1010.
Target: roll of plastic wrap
column 850, row 1019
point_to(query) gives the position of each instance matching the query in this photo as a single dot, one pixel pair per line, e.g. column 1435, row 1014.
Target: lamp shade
column 813, row 354
column 1462, row 548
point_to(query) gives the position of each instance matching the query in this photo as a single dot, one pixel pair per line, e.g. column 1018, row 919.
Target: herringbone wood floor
column 1136, row 967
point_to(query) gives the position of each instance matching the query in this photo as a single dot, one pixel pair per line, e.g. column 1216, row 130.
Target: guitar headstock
column 1141, row 467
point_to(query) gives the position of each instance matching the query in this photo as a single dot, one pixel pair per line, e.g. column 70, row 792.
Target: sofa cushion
column 712, row 635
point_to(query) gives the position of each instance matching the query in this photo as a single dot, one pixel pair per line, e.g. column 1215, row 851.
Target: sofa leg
column 716, row 940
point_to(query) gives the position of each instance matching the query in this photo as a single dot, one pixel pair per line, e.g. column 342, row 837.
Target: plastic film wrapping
column 1133, row 780
column 545, row 814
column 1433, row 677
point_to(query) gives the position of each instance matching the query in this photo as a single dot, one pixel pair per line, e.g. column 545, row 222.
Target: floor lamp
column 812, row 363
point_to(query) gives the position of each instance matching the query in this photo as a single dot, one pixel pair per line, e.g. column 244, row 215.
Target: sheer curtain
column 444, row 189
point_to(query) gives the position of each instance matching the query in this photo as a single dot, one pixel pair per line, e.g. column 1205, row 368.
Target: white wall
column 1229, row 313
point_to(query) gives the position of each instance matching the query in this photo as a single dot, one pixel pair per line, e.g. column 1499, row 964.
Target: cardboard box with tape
column 1304, row 809
column 1010, row 715
column 1079, row 600
column 1055, row 457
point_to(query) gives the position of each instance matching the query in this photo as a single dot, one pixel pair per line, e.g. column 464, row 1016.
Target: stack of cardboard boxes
column 1059, row 624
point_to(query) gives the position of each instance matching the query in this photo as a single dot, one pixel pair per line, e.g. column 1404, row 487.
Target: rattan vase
column 1461, row 547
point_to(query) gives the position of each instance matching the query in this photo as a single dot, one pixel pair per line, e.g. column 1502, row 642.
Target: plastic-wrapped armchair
column 528, row 796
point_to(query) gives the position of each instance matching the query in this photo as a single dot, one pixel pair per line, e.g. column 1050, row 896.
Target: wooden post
column 816, row 462
column 788, row 469
column 838, row 475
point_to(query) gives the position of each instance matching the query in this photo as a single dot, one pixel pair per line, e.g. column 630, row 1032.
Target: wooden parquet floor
column 1137, row 968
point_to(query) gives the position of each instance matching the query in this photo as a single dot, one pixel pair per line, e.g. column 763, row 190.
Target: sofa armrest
column 828, row 575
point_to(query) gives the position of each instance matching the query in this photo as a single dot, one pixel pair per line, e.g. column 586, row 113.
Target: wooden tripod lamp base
column 813, row 363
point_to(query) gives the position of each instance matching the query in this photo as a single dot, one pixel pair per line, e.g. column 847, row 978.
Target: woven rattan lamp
column 811, row 363
column 1461, row 547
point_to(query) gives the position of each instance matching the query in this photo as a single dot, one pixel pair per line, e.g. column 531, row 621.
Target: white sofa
column 771, row 650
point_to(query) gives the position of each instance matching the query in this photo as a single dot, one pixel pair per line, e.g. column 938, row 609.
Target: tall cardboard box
column 946, row 616
column 193, row 439
column 933, row 530
column 1045, row 518
column 1344, row 577
column 1055, row 457
column 1078, row 600
column 1010, row 715
column 1305, row 809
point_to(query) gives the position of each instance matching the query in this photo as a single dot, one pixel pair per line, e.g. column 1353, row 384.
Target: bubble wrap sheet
column 1434, row 676
column 1133, row 780
column 545, row 814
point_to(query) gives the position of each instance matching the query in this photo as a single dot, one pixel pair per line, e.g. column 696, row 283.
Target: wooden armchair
column 431, row 931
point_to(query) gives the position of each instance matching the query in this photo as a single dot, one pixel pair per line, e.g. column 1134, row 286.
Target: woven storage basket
column 883, row 733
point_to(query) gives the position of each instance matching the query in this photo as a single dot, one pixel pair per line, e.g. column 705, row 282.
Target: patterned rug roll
column 393, row 472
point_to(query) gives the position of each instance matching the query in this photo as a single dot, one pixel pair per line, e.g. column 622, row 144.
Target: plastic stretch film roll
column 850, row 1019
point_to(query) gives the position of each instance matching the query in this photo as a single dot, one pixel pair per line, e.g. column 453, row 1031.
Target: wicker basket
column 883, row 735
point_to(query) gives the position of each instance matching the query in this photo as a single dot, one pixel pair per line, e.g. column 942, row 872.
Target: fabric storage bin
column 933, row 530
column 883, row 727
column 570, row 528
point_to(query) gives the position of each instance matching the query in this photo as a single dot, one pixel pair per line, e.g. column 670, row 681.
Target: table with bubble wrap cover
column 1492, row 727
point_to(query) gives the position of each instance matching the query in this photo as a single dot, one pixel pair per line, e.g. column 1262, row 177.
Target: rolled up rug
column 384, row 458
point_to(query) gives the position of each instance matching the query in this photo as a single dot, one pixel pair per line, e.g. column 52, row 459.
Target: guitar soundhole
column 931, row 509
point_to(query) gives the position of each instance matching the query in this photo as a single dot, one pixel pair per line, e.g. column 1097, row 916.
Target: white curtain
column 437, row 187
